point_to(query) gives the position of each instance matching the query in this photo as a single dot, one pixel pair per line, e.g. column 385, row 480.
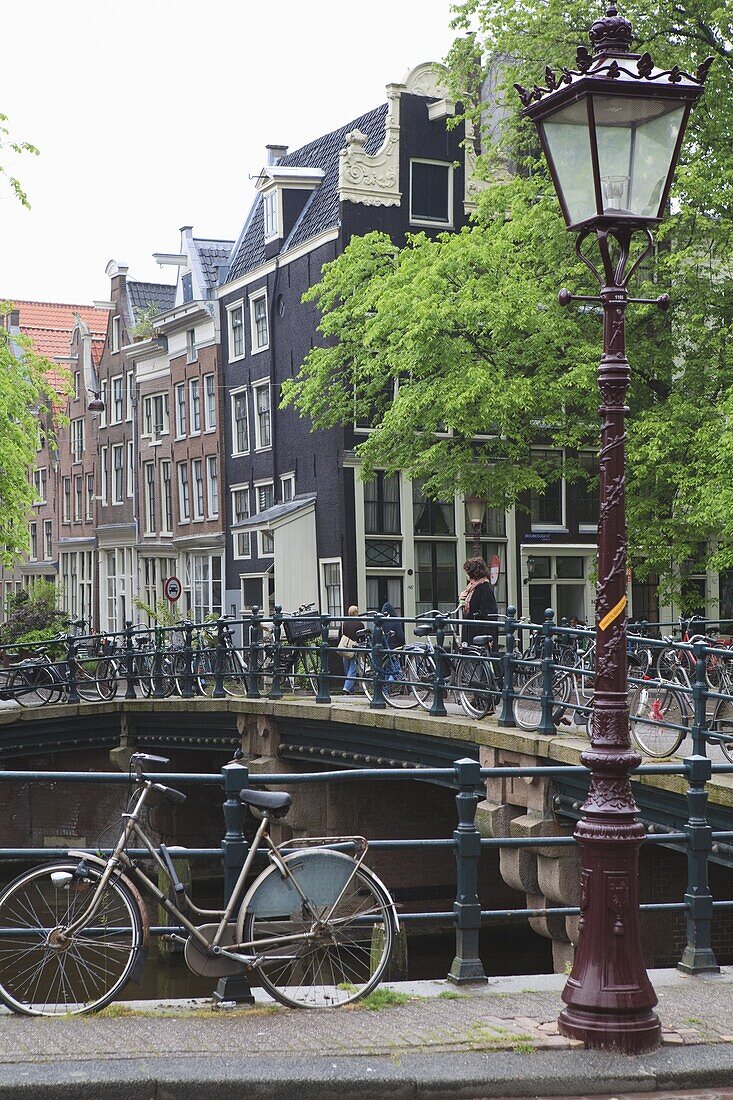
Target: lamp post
column 611, row 132
column 476, row 508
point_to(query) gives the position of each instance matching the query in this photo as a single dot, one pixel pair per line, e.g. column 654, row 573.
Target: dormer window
column 115, row 334
column 187, row 287
column 270, row 214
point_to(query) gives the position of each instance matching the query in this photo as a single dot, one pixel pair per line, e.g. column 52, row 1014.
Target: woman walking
column 349, row 629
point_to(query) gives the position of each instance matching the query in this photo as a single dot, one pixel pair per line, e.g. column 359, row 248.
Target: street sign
column 494, row 570
column 172, row 589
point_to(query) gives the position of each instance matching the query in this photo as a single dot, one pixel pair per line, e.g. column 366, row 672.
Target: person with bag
column 347, row 646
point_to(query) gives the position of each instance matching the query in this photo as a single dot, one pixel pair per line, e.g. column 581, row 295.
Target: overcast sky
column 153, row 114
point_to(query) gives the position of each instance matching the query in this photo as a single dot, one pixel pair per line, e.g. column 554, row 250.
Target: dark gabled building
column 303, row 527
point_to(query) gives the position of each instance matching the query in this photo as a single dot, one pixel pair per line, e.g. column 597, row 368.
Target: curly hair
column 476, row 568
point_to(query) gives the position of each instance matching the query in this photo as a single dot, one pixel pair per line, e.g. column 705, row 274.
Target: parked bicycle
column 316, row 926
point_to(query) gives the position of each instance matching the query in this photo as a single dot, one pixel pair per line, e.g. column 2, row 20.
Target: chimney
column 275, row 153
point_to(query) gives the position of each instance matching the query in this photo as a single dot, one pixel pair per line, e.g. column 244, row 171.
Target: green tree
column 31, row 615
column 9, row 145
column 463, row 332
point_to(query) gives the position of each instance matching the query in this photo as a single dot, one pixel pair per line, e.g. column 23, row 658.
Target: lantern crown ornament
column 612, row 129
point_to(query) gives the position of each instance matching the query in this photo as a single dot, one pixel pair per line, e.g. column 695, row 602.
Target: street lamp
column 476, row 509
column 611, row 132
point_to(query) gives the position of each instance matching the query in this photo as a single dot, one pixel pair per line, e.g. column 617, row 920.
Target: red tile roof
column 49, row 324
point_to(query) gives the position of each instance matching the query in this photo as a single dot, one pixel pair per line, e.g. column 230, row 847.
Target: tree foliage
column 10, row 145
column 461, row 336
column 32, row 615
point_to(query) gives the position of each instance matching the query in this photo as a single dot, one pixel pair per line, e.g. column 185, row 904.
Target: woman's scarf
column 469, row 591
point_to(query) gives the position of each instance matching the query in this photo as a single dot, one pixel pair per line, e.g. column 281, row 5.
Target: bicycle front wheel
column 327, row 950
column 657, row 719
column 43, row 973
column 475, row 682
column 399, row 680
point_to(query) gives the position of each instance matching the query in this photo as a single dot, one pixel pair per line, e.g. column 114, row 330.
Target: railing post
column 187, row 692
column 437, row 710
column 234, row 847
column 547, row 724
column 158, row 692
column 253, row 685
column 72, row 695
column 130, row 677
column 467, row 965
column 506, row 718
column 276, row 691
column 698, row 956
column 378, row 702
column 219, row 692
column 323, row 695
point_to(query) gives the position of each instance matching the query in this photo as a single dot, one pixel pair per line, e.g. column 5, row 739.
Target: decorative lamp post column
column 476, row 509
column 611, row 132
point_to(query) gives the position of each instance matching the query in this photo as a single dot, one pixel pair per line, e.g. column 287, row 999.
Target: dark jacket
column 394, row 633
column 483, row 606
column 351, row 626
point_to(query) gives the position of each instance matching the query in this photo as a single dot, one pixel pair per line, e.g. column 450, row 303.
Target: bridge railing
column 533, row 675
column 696, row 838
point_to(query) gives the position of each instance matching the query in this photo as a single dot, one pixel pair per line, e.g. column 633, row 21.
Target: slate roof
column 144, row 295
column 210, row 254
column 321, row 211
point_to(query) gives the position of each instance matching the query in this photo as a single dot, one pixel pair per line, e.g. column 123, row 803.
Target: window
column 33, row 541
column 66, row 514
column 258, row 323
column 191, row 353
column 184, row 499
column 435, row 575
column 149, row 476
column 431, row 517
column 180, row 410
column 382, row 589
column 78, row 497
column 262, row 415
column 331, row 588
column 269, row 205
column 240, row 512
column 264, row 500
column 236, row 331
column 103, row 388
column 587, row 495
column 130, row 468
column 111, row 590
column 77, row 439
column 90, row 497
column 194, row 396
column 210, row 406
column 166, row 496
column 77, row 383
column 130, row 388
column 118, row 473
column 155, row 416
column 546, row 508
column 431, row 192
column 240, row 421
column 204, row 575
column 117, row 402
column 287, row 487
column 212, row 473
column 187, row 287
column 198, row 488
column 47, row 539
column 115, row 334
column 39, row 481
column 382, row 505
column 103, row 475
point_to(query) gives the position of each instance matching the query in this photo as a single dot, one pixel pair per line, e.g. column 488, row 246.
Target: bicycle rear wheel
column 657, row 719
column 108, row 673
column 346, row 925
column 475, row 682
column 399, row 680
column 42, row 973
column 722, row 723
column 528, row 703
column 33, row 686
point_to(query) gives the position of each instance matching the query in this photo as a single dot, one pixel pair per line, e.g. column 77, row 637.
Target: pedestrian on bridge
column 350, row 629
column 479, row 604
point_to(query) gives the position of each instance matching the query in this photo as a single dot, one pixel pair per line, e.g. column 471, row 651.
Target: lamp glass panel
column 567, row 138
column 636, row 139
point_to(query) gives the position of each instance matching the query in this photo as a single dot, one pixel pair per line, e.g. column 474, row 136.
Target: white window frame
column 562, row 526
column 114, row 419
column 166, row 498
column 118, row 448
column 66, row 500
column 103, row 474
column 40, row 482
column 240, row 392
column 103, row 394
column 78, row 491
column 33, row 541
column 184, row 493
column 191, row 349
column 257, row 347
column 236, row 534
column 78, row 441
column 89, row 489
column 231, row 310
column 261, row 535
column 322, row 563
column 47, row 540
column 212, row 485
column 261, row 384
column 416, row 220
column 209, row 403
column 198, row 491
column 130, row 393
column 148, row 501
column 194, row 405
column 148, row 431
column 130, row 468
column 181, row 410
column 116, row 329
column 285, row 481
column 270, row 213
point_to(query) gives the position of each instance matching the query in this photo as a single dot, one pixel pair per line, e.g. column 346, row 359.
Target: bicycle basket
column 302, row 630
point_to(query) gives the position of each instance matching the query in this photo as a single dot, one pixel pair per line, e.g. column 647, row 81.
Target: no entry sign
column 172, row 588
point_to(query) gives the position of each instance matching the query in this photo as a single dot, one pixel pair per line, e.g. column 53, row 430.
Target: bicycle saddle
column 277, row 802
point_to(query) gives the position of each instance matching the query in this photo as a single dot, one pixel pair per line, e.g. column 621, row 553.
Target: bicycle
column 467, row 672
column 316, row 926
column 660, row 714
column 572, row 689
